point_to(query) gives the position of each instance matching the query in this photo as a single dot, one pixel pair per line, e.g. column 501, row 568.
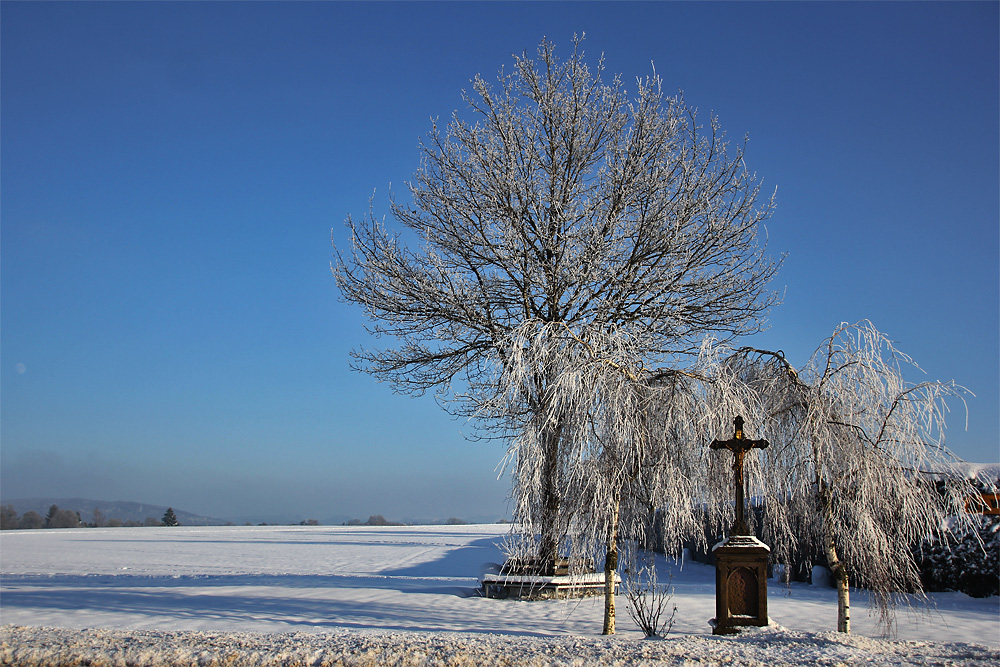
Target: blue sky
column 171, row 174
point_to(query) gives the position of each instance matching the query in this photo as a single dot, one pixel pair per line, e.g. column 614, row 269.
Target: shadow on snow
column 259, row 598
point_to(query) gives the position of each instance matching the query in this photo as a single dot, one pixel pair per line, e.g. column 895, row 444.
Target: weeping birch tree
column 855, row 451
column 599, row 404
column 634, row 442
column 561, row 198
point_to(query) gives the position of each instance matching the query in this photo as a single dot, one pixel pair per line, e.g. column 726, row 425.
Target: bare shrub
column 648, row 599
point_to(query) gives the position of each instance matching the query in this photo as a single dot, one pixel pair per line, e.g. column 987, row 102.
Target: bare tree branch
column 558, row 197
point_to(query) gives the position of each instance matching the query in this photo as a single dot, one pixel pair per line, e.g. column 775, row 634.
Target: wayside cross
column 739, row 446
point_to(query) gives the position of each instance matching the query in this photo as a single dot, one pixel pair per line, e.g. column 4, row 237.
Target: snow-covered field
column 398, row 595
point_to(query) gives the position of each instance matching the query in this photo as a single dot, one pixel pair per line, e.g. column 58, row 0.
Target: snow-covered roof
column 982, row 471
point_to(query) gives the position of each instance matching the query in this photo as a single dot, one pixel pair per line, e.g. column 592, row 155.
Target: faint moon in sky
column 20, row 368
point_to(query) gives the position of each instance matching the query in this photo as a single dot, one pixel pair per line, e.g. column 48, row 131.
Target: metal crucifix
column 739, row 446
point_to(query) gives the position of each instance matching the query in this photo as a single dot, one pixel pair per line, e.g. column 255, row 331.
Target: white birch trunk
column 843, row 589
column 843, row 605
column 836, row 567
column 610, row 570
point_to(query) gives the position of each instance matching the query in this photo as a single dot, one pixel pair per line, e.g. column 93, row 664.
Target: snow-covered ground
column 397, row 595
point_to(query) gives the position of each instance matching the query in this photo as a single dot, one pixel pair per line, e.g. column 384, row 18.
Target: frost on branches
column 585, row 257
column 855, row 452
column 557, row 199
column 625, row 443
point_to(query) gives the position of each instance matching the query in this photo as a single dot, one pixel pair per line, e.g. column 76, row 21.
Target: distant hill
column 117, row 509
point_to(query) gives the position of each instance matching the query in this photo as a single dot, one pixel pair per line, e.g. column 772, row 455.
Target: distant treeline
column 65, row 518
column 379, row 520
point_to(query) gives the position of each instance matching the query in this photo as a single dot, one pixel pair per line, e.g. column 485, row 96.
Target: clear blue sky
column 171, row 173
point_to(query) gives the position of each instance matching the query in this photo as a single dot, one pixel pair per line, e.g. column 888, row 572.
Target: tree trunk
column 551, row 535
column 843, row 603
column 836, row 567
column 610, row 570
column 843, row 589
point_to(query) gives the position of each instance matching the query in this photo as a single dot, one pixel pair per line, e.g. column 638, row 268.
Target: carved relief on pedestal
column 743, row 598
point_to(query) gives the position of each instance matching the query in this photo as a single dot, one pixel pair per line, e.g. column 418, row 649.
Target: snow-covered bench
column 532, row 580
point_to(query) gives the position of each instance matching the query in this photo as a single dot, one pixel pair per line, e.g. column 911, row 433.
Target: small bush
column 648, row 599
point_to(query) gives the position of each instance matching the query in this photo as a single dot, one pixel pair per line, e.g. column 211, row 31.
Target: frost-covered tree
column 634, row 442
column 597, row 401
column 562, row 199
column 855, row 449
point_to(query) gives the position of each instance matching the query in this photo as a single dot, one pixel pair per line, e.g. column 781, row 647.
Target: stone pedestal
column 740, row 584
